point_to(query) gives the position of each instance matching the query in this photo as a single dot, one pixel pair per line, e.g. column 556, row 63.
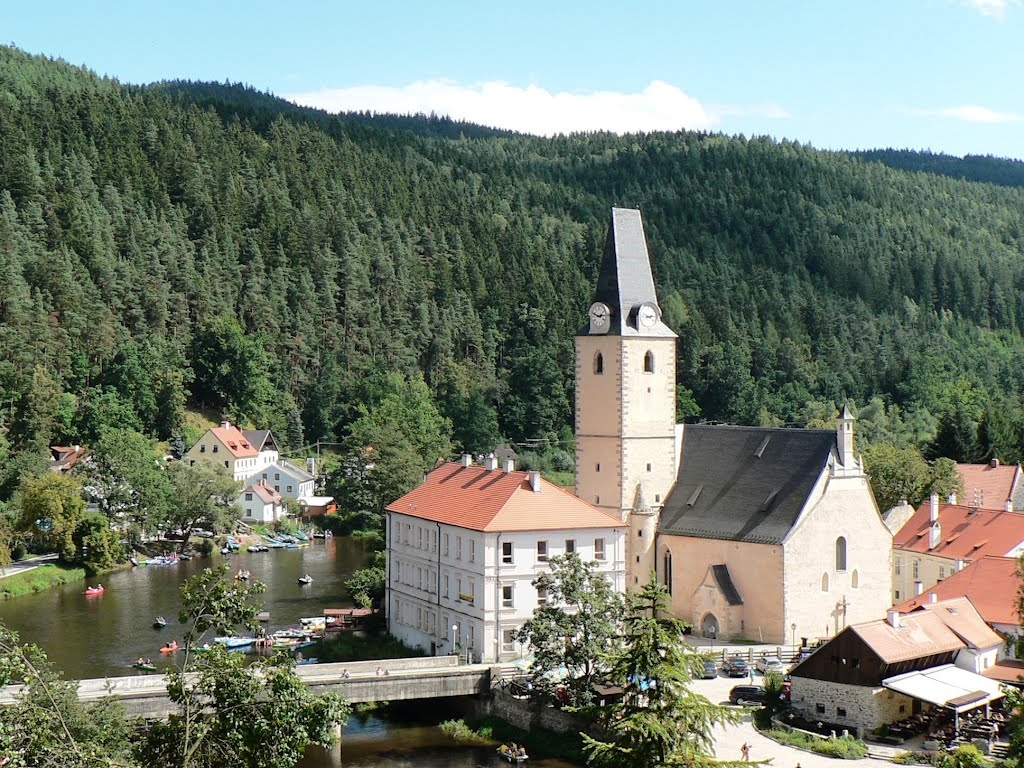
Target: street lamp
column 712, row 632
column 793, row 628
column 455, row 629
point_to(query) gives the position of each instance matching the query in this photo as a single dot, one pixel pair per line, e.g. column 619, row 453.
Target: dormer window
column 649, row 362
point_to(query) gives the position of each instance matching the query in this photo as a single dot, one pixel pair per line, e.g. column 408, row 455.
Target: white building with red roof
column 464, row 547
column 243, row 453
column 261, row 503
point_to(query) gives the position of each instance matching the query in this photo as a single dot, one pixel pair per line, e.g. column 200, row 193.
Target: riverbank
column 537, row 741
column 38, row 579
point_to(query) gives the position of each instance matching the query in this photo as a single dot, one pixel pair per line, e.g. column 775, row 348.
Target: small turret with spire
column 847, row 463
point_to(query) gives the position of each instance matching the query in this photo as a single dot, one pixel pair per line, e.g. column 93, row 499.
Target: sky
column 940, row 75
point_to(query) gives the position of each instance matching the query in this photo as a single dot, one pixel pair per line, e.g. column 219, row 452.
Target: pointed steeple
column 625, row 302
column 640, row 505
column 844, row 438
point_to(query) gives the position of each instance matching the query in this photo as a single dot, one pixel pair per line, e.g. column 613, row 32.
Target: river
column 101, row 636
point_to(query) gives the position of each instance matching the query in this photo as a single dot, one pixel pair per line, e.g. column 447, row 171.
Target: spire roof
column 625, row 281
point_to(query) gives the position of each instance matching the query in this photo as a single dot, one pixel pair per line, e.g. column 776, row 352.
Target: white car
column 769, row 664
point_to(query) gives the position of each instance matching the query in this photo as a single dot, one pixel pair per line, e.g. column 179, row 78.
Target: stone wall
column 527, row 715
column 866, row 707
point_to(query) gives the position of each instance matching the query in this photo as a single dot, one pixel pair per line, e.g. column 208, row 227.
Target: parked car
column 747, row 694
column 710, row 670
column 202, row 533
column 769, row 664
column 737, row 666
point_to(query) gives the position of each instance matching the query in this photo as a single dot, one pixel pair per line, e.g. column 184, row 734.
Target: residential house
column 940, row 539
column 228, row 446
column 289, row 480
column 464, row 547
column 261, row 503
column 769, row 534
column 991, row 584
column 63, row 458
column 882, row 671
column 991, row 486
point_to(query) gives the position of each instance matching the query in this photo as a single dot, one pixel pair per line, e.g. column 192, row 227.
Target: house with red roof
column 990, row 583
column 939, row 540
column 63, row 458
column 228, row 446
column 261, row 503
column 464, row 547
column 991, row 486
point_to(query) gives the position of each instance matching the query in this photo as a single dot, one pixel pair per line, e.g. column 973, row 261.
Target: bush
column 205, row 547
column 912, row 758
column 844, row 747
column 459, row 731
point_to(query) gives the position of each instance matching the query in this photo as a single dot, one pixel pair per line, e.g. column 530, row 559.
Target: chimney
column 894, row 618
column 918, row 588
column 994, row 463
column 510, row 466
column 952, row 498
column 933, row 515
column 491, row 462
column 535, row 481
column 225, row 424
column 467, row 460
column 934, row 535
column 933, row 598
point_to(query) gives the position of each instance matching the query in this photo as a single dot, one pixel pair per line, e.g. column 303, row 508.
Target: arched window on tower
column 649, row 362
column 824, row 582
column 841, row 553
column 666, row 578
column 598, row 363
column 855, row 579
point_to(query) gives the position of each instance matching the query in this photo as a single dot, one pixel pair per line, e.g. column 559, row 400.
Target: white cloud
column 994, row 8
column 658, row 107
column 970, row 113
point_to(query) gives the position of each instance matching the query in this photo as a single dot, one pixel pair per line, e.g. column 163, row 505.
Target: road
column 728, row 740
column 26, row 565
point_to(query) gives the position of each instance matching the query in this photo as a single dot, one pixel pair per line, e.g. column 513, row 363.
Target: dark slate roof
column 724, row 580
column 624, row 281
column 258, row 438
column 744, row 483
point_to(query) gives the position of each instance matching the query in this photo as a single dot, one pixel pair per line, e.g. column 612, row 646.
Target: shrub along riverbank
column 38, row 579
column 540, row 741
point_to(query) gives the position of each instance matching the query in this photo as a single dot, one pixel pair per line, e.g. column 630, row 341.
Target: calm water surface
column 103, row 635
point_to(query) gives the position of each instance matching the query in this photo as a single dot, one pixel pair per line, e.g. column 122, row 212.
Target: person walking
column 745, row 752
column 751, row 675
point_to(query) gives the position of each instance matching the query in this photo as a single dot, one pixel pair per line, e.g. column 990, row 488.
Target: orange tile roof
column 990, row 583
column 962, row 617
column 493, row 500
column 1008, row 670
column 988, row 486
column 236, row 442
column 966, row 533
column 919, row 634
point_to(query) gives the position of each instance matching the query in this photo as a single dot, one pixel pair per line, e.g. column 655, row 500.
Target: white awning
column 947, row 686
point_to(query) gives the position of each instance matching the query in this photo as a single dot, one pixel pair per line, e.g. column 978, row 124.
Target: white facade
column 287, row 479
column 258, row 509
column 443, row 576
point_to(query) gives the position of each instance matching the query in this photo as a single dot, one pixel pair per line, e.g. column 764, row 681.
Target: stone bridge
column 423, row 678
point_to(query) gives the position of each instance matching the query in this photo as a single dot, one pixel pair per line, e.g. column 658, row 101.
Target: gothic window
column 824, row 582
column 599, row 363
column 649, row 362
column 667, row 575
column 841, row 553
column 855, row 580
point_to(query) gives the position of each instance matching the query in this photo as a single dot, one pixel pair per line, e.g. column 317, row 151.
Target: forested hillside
column 272, row 264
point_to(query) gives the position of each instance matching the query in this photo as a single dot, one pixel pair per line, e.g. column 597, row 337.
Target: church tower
column 626, row 395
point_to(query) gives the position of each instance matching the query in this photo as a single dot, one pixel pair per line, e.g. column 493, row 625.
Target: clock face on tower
column 600, row 317
column 648, row 315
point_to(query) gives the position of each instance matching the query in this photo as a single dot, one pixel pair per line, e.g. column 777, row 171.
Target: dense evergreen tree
column 209, row 244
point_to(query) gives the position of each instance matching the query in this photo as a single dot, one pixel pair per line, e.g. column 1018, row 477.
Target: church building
column 767, row 534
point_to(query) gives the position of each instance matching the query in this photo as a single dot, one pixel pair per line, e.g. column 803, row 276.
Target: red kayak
column 95, row 590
